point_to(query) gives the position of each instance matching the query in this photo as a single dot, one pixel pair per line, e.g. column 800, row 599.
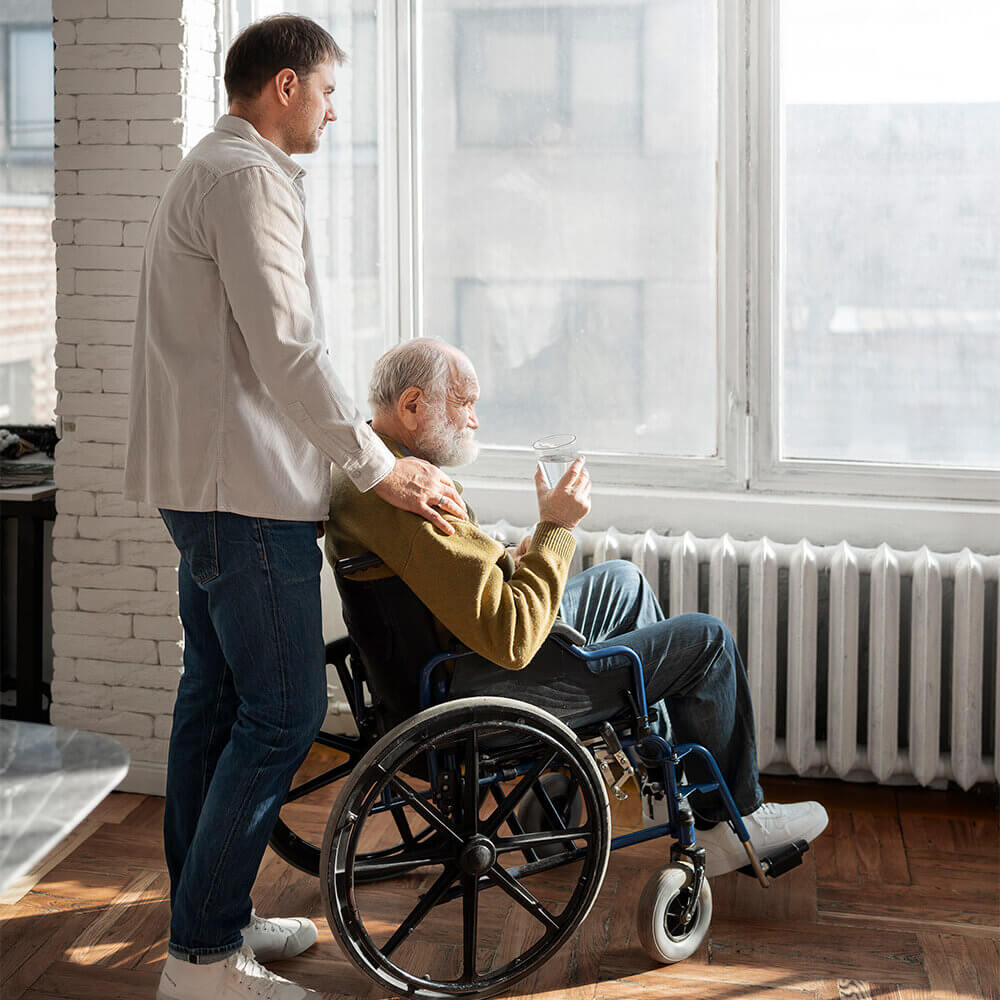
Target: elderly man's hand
column 517, row 552
column 568, row 502
column 422, row 488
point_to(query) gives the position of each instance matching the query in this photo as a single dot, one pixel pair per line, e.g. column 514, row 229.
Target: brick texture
column 134, row 80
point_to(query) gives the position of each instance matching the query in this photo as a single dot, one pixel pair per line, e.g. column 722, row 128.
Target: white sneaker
column 278, row 937
column 238, row 977
column 770, row 827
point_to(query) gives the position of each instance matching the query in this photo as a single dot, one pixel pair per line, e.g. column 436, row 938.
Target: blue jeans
column 250, row 702
column 690, row 663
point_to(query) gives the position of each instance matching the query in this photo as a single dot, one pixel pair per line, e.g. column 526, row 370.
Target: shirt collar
column 241, row 127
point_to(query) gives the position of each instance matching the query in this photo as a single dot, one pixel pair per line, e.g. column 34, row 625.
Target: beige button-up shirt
column 235, row 404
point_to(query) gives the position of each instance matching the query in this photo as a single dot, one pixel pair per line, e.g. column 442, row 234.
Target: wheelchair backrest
column 394, row 634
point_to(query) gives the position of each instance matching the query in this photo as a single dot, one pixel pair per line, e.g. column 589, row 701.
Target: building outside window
column 27, row 252
column 549, row 76
column 890, row 233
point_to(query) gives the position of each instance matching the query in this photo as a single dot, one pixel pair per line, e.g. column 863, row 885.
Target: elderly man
column 423, row 396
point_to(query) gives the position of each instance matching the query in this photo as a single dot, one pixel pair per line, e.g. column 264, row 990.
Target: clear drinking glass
column 556, row 454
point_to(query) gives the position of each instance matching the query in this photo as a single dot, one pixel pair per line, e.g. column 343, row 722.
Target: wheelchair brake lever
column 614, row 749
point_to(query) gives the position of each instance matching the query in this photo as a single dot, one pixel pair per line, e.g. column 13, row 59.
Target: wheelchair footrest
column 781, row 861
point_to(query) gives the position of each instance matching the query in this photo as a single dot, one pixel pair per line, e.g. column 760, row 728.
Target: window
column 567, row 230
column 30, row 87
column 27, row 324
column 886, row 331
column 15, row 390
column 746, row 247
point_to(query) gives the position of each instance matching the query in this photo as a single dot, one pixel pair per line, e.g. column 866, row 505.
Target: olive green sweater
column 467, row 580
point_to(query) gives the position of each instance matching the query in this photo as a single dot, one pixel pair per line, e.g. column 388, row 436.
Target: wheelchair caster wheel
column 568, row 803
column 660, row 915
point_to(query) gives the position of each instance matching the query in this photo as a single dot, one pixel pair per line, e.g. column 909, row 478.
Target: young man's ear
column 284, row 84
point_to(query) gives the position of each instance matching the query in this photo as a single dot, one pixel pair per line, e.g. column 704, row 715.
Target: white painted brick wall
column 133, row 85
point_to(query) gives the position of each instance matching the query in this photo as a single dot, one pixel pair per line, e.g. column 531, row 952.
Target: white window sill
column 907, row 524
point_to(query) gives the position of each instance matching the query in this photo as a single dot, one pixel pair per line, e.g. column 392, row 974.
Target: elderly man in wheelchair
column 497, row 701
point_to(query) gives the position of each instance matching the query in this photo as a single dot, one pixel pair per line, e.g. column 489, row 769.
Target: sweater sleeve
column 460, row 580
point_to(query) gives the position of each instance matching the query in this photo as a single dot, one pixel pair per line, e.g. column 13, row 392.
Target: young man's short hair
column 284, row 41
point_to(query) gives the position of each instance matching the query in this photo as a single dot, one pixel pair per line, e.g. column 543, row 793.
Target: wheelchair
column 472, row 832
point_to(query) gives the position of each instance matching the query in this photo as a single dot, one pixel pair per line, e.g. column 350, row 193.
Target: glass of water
column 556, row 454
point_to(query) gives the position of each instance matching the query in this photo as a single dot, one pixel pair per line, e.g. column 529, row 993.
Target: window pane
column 890, row 327
column 30, row 79
column 342, row 182
column 569, row 216
column 27, row 251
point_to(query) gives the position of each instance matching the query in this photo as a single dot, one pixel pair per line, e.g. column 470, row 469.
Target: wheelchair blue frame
column 441, row 825
column 664, row 754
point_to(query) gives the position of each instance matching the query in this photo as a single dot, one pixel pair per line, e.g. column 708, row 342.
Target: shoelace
column 263, row 924
column 768, row 809
column 252, row 968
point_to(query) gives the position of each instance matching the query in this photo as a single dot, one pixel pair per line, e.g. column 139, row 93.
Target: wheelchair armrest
column 427, row 671
column 561, row 630
column 354, row 564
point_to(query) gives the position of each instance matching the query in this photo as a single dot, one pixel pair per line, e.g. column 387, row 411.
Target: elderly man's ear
column 408, row 407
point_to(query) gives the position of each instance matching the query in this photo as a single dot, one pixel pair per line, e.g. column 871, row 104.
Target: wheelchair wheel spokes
column 539, row 838
column 320, row 781
column 298, row 831
column 461, row 917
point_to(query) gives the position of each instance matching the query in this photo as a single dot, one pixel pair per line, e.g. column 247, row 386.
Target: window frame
column 769, row 471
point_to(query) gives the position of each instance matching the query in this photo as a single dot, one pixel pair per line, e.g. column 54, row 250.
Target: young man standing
column 236, row 413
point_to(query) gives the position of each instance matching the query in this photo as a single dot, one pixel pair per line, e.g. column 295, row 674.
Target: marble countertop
column 50, row 779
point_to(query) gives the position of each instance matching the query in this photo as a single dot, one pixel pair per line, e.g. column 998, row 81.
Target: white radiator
column 862, row 662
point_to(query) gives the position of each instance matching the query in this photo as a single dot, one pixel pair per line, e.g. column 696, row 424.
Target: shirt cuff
column 370, row 466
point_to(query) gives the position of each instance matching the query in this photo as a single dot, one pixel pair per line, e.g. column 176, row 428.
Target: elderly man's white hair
column 423, row 362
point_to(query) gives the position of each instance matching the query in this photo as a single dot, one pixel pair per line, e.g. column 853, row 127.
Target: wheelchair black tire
column 461, row 720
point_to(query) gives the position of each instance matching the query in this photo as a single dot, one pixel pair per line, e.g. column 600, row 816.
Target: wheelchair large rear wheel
column 473, row 909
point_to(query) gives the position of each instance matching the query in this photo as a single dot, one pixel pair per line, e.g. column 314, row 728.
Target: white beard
column 443, row 444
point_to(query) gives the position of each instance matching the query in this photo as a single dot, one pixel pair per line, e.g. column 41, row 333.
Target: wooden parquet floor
column 899, row 898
